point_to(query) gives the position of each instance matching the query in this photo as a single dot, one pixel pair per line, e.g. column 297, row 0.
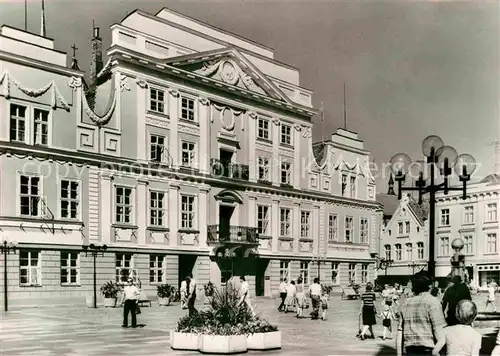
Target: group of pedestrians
column 293, row 296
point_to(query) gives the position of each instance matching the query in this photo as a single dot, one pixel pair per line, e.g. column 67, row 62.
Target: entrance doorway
column 225, row 213
column 186, row 266
column 260, row 277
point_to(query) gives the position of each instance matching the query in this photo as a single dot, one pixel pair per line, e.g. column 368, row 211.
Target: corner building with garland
column 189, row 150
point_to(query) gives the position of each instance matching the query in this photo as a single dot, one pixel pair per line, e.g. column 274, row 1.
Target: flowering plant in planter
column 260, row 326
column 165, row 291
column 209, row 289
column 110, row 290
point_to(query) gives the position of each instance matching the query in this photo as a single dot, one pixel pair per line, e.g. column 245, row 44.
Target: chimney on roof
column 96, row 64
column 390, row 191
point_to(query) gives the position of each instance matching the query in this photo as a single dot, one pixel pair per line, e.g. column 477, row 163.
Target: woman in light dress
column 183, row 292
column 290, row 296
column 300, row 297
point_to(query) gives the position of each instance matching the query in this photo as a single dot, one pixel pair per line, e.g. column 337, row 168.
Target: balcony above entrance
column 233, row 235
column 221, row 168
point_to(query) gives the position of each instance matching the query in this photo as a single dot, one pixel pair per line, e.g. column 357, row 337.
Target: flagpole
column 26, row 15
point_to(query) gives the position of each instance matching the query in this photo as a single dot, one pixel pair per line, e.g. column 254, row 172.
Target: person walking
column 421, row 321
column 315, row 290
column 368, row 311
column 191, row 292
column 130, row 299
column 300, row 297
column 244, row 294
column 282, row 287
column 491, row 296
column 183, row 293
column 290, row 296
column 455, row 293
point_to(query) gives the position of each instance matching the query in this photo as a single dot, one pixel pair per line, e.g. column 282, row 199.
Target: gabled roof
column 421, row 212
column 491, row 178
column 235, row 68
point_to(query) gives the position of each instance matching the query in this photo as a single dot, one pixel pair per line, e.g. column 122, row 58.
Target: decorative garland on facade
column 57, row 99
column 99, row 120
column 104, row 69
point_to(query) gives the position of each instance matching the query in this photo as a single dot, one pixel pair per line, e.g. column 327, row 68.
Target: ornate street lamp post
column 95, row 250
column 444, row 159
column 6, row 247
column 384, row 263
column 319, row 260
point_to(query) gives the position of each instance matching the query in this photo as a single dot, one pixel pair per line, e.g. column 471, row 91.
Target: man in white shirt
column 315, row 290
column 191, row 292
column 130, row 298
column 283, row 286
column 244, row 294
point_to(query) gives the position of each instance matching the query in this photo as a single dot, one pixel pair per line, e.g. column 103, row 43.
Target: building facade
column 190, row 151
column 475, row 221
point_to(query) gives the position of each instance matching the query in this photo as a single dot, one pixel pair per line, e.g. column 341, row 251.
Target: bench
column 144, row 299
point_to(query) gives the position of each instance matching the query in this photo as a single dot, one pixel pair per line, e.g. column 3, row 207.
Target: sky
column 411, row 69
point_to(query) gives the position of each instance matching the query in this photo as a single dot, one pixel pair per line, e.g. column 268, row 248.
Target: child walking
column 387, row 317
column 461, row 339
column 324, row 305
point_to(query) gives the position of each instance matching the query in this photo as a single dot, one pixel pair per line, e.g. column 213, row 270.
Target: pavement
column 77, row 330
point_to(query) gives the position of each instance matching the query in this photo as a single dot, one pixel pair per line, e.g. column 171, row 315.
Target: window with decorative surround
column 468, row 245
column 30, row 268
column 124, row 266
column 263, row 130
column 363, row 230
column 444, row 246
column 70, row 268
column 157, row 100
column 420, row 250
column 332, row 227
column 18, row 123
column 285, row 222
column 491, row 243
column 335, row 273
column 188, row 212
column 30, row 124
column 304, row 272
column 468, row 214
column 344, row 184
column 286, row 173
column 398, row 251
column 284, row 270
column 30, row 196
column 188, row 154
column 157, row 208
column 364, row 273
column 352, row 273
column 123, row 205
column 400, row 228
column 305, row 224
column 409, row 251
column 388, row 252
column 187, row 109
column 491, row 212
column 352, row 186
column 286, row 134
column 445, row 217
column 41, row 128
column 263, row 169
column 348, row 229
column 263, row 220
column 70, row 199
column 157, row 148
column 157, row 268
column 407, row 227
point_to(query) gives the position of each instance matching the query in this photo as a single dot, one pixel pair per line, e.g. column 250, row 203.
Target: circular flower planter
column 163, row 302
column 264, row 341
column 184, row 341
column 109, row 302
column 217, row 344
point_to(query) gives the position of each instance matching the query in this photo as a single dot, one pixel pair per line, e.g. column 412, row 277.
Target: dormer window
column 286, row 134
column 263, row 129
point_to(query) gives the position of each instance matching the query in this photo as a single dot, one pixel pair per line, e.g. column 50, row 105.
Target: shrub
column 110, row 289
column 165, row 291
column 327, row 289
column 209, row 289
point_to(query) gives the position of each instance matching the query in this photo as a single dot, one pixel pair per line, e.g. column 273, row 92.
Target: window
column 284, row 269
column 468, row 247
column 263, row 169
column 407, row 227
column 352, row 186
column 468, row 214
column 263, row 129
column 286, row 134
column 156, row 268
column 444, row 246
column 286, row 173
column 305, row 224
column 263, row 220
column 352, row 273
column 491, row 212
column 332, row 227
column 41, row 131
column 30, row 268
column 124, row 266
column 187, row 109
column 123, row 205
column 304, row 271
column 18, row 123
column 398, row 252
column 156, row 208
column 187, row 212
column 335, row 273
column 188, row 154
column 420, row 250
column 363, row 230
column 70, row 199
column 157, row 100
column 285, row 225
column 344, row 184
column 445, row 217
column 409, row 251
column 157, row 148
column 492, row 243
column 70, row 268
column 400, row 228
column 387, row 250
column 364, row 273
column 30, row 195
column 348, row 229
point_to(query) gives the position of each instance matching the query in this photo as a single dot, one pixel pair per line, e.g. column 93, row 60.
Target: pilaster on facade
column 94, row 201
column 275, row 224
column 203, row 215
column 297, row 164
column 173, row 207
column 142, row 208
column 251, row 137
column 296, row 227
column 252, row 213
column 174, row 143
column 204, row 119
column 276, row 168
column 106, row 189
column 141, row 120
column 323, row 243
column 316, row 232
column 4, row 124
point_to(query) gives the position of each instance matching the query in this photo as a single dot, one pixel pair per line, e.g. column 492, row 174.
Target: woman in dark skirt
column 368, row 311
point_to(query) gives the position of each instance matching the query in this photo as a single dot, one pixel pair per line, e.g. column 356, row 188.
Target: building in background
column 189, row 151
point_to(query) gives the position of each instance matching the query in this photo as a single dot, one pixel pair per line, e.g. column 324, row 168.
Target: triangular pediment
column 230, row 67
